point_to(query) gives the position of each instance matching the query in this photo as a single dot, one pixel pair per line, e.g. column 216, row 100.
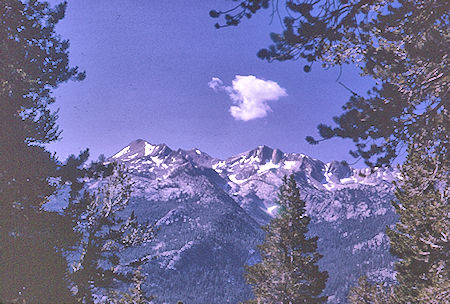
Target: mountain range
column 209, row 213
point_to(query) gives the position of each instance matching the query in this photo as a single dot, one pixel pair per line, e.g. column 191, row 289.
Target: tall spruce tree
column 288, row 272
column 370, row 293
column 136, row 294
column 421, row 237
column 33, row 61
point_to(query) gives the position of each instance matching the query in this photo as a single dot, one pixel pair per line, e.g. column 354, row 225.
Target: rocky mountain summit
column 209, row 212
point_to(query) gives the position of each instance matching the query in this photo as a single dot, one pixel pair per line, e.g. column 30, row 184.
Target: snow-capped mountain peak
column 260, row 163
column 260, row 156
column 140, row 148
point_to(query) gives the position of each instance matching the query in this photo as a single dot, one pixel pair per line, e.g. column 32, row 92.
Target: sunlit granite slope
column 209, row 212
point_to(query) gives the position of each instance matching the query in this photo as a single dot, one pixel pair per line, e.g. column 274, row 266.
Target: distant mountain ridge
column 329, row 175
column 209, row 212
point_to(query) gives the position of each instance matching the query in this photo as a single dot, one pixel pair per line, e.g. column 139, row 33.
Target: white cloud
column 249, row 95
column 215, row 83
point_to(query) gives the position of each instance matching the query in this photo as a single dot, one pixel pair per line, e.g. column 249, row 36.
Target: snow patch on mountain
column 148, row 149
column 267, row 166
column 376, row 242
column 170, row 257
column 122, row 152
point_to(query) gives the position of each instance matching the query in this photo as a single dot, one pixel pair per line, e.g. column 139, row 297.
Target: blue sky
column 149, row 69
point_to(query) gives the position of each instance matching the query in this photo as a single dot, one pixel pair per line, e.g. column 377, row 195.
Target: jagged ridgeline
column 209, row 212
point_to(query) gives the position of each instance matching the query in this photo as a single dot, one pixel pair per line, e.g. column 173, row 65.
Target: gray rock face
column 339, row 170
column 209, row 213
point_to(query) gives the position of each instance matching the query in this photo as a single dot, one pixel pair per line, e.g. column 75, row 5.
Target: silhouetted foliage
column 135, row 295
column 369, row 293
column 33, row 61
column 403, row 45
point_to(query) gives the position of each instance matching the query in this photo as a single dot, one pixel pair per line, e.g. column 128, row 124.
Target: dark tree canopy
column 34, row 243
column 403, row 45
column 33, row 61
column 135, row 295
column 368, row 293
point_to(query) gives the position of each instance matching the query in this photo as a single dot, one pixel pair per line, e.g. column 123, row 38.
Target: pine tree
column 135, row 295
column 33, row 61
column 288, row 272
column 106, row 232
column 368, row 293
column 421, row 237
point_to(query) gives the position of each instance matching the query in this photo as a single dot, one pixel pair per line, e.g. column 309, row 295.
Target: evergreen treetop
column 288, row 272
column 421, row 237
